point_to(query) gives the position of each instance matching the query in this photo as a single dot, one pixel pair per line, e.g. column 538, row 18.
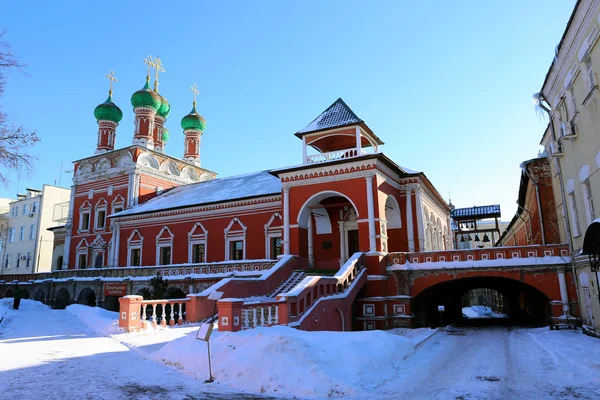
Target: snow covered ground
column 80, row 353
column 475, row 312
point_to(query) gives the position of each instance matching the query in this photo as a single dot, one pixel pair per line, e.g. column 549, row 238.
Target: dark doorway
column 352, row 242
column 62, row 299
column 87, row 297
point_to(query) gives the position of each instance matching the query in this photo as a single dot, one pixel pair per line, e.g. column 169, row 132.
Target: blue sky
column 447, row 86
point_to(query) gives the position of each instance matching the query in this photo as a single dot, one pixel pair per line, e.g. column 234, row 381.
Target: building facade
column 28, row 247
column 570, row 96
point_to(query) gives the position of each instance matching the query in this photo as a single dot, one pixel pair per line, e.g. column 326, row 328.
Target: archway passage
column 24, row 293
column 329, row 230
column 62, row 299
column 522, row 304
column 40, row 295
column 87, row 297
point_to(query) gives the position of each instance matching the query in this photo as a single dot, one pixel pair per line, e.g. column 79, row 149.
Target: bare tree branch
column 15, row 140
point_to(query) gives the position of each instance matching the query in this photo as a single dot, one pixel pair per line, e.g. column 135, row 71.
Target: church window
column 134, row 257
column 273, row 234
column 165, row 255
column 82, row 261
column 85, row 221
column 198, row 253
column 276, row 247
column 100, row 219
column 236, row 250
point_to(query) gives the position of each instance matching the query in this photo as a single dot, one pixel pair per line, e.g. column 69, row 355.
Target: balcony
column 334, row 155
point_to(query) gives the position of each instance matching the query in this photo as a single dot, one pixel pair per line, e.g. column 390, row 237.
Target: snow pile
column 474, row 312
column 98, row 319
column 281, row 360
column 416, row 335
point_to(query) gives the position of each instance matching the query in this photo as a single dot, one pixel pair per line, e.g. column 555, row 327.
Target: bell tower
column 193, row 126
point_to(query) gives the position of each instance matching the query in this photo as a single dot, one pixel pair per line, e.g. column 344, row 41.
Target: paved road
column 50, row 354
column 500, row 363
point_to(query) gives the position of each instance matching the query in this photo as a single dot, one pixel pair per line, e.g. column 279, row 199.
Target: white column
column 286, row 221
column 117, row 240
column 311, row 253
column 420, row 220
column 564, row 297
column 304, row 158
column 358, row 142
column 409, row 221
column 371, row 215
column 342, row 243
column 68, row 229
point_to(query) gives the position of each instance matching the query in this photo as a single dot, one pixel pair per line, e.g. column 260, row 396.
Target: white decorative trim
column 272, row 232
column 164, row 242
column 234, row 236
column 196, row 239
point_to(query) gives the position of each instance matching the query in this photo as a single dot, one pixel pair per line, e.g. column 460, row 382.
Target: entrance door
column 352, row 242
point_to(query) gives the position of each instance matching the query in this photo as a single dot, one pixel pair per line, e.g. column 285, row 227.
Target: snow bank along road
column 500, row 363
column 50, row 354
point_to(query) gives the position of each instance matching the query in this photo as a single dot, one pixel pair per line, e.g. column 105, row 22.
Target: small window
column 327, row 245
column 32, row 232
column 236, row 250
column 7, row 260
column 100, row 219
column 25, row 209
column 59, row 262
column 574, row 214
column 14, row 211
column 11, row 235
column 98, row 261
column 18, row 260
column 165, row 255
column 276, row 247
column 22, row 233
column 198, row 253
column 85, row 221
column 82, row 261
column 134, row 258
column 34, row 207
column 29, row 259
column 118, row 209
column 589, row 200
column 590, row 72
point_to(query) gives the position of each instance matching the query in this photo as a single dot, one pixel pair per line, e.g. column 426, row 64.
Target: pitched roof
column 337, row 114
column 214, row 191
column 477, row 212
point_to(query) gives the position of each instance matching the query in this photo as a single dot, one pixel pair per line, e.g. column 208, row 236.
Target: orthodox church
column 139, row 206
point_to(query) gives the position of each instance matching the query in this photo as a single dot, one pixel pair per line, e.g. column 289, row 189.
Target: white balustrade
column 334, row 155
column 260, row 316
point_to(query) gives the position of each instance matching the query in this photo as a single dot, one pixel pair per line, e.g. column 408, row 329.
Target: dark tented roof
column 476, row 212
column 214, row 191
column 336, row 115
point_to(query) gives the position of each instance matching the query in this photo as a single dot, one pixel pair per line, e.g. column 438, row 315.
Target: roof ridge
column 331, row 118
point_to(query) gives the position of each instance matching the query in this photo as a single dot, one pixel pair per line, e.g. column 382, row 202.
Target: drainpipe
column 530, row 239
column 539, row 203
column 544, row 105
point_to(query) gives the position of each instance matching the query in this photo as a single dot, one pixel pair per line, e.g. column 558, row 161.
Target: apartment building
column 28, row 244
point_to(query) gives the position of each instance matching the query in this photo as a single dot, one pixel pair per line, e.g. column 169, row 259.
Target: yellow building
column 571, row 98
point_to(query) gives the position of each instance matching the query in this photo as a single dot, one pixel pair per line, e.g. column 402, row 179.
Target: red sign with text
column 115, row 289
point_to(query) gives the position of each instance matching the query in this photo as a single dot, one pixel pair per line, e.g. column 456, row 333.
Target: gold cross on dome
column 158, row 67
column 111, row 79
column 150, row 63
column 195, row 91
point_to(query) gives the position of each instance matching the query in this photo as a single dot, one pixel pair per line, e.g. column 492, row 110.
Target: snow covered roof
column 214, row 191
column 477, row 212
column 337, row 114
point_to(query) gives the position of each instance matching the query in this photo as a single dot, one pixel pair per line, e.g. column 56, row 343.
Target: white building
column 28, row 246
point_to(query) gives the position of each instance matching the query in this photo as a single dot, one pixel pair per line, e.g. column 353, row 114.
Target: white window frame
column 162, row 242
column 134, row 243
column 34, row 207
column 18, row 263
column 101, row 206
column 85, row 208
column 11, row 235
column 32, row 229
column 198, row 235
column 22, row 233
column 25, row 209
column 574, row 214
column 29, row 260
column 118, row 202
column 589, row 72
column 14, row 211
column 588, row 200
column 272, row 232
column 82, row 249
column 96, row 253
column 7, row 261
column 234, row 236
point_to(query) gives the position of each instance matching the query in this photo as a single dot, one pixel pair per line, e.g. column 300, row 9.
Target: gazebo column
column 286, row 221
column 409, row 221
column 311, row 252
column 420, row 233
column 371, row 215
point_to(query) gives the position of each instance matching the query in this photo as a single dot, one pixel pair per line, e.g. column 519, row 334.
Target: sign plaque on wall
column 115, row 289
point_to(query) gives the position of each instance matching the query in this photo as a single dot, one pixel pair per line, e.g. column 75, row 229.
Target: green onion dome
column 165, row 135
column 193, row 121
column 146, row 97
column 108, row 111
column 165, row 107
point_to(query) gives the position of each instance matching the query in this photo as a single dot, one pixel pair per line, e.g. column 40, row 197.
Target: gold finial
column 195, row 91
column 111, row 78
column 150, row 63
column 158, row 67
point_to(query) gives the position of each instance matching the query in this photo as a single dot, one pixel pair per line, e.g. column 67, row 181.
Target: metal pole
column 210, row 379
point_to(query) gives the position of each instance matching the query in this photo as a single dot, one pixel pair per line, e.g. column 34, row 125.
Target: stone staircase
column 289, row 284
